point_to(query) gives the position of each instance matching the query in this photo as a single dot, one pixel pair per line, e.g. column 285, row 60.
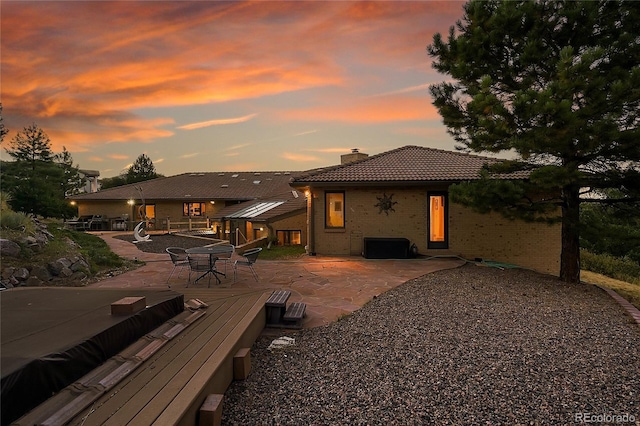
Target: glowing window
column 334, row 209
column 438, row 222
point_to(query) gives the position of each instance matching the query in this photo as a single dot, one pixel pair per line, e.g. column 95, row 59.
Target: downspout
column 311, row 225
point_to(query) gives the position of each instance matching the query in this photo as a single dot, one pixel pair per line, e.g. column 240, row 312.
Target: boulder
column 21, row 274
column 40, row 272
column 9, row 248
column 34, row 282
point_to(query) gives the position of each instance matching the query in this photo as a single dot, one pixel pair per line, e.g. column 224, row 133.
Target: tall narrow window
column 334, row 209
column 438, row 221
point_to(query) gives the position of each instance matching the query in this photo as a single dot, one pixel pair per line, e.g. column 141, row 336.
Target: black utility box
column 386, row 248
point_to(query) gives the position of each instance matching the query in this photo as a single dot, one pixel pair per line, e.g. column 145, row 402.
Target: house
column 398, row 201
column 219, row 201
column 90, row 178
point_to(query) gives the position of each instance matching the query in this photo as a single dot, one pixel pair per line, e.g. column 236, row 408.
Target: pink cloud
column 84, row 70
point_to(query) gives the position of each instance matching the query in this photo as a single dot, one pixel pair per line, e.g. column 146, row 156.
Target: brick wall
column 471, row 235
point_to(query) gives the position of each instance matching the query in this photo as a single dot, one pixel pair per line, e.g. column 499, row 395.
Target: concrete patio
column 330, row 286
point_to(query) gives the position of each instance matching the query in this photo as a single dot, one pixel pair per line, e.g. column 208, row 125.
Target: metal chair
column 224, row 252
column 250, row 257
column 200, row 264
column 179, row 258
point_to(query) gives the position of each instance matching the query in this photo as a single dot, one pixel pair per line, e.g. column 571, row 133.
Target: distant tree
column 142, row 169
column 612, row 229
column 119, row 180
column 3, row 129
column 34, row 181
column 557, row 83
column 31, row 145
column 73, row 181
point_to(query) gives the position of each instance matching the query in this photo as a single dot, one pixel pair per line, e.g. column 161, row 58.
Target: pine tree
column 142, row 169
column 557, row 83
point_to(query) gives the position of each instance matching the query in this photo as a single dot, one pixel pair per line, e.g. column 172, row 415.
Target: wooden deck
column 164, row 378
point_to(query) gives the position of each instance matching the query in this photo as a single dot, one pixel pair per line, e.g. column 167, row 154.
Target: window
column 438, row 221
column 334, row 209
column 193, row 209
column 287, row 238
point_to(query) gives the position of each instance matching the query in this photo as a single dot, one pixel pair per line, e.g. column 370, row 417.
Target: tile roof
column 200, row 186
column 408, row 164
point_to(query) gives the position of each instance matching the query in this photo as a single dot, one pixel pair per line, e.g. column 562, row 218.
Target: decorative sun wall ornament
column 385, row 204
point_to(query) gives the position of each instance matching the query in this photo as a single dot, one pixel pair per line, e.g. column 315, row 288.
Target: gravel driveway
column 471, row 345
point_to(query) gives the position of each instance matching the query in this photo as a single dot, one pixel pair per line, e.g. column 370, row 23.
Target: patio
column 330, row 286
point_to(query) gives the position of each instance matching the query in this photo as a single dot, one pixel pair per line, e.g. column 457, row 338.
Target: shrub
column 622, row 269
column 16, row 221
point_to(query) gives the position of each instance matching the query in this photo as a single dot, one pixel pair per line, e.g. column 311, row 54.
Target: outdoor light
column 73, row 203
column 131, row 202
column 212, row 202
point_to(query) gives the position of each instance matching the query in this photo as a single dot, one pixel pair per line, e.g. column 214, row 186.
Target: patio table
column 211, row 252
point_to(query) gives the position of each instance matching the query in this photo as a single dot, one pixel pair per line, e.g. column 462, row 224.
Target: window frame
column 327, row 204
column 438, row 244
column 187, row 209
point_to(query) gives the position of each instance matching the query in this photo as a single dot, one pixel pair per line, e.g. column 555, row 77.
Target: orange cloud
column 299, row 157
column 118, row 156
column 219, row 122
column 88, row 72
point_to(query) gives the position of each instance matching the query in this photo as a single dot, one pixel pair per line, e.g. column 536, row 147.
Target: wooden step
column 294, row 314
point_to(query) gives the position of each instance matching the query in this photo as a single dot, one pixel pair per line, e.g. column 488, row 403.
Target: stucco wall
column 471, row 235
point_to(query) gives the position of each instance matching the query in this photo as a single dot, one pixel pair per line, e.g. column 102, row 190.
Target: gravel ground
column 158, row 243
column 470, row 345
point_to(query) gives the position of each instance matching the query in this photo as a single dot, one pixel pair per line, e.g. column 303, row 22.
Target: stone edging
column 631, row 310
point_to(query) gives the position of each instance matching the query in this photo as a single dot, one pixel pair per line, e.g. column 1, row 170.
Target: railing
column 238, row 240
column 188, row 225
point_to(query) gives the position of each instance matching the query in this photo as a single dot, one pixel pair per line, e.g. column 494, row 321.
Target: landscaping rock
column 33, row 282
column 41, row 273
column 9, row 248
column 21, row 274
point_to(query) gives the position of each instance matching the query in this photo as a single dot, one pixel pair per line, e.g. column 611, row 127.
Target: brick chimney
column 354, row 156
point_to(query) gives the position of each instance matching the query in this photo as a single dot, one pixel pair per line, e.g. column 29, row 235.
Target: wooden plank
column 135, row 389
column 183, row 408
column 195, row 376
column 149, row 391
column 295, row 311
column 169, row 369
column 278, row 299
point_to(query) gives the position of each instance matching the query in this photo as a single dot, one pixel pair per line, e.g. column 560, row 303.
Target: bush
column 623, row 269
column 92, row 247
column 16, row 221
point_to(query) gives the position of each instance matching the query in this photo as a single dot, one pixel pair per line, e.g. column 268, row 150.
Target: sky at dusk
column 202, row 86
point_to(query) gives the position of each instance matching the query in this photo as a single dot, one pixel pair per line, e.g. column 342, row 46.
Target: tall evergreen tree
column 34, row 181
column 557, row 83
column 72, row 181
column 142, row 169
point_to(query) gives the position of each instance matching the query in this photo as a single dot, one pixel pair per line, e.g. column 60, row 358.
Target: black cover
column 386, row 248
column 51, row 337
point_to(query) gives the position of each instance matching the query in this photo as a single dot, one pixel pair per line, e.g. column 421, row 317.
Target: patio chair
column 178, row 258
column 224, row 252
column 250, row 257
column 199, row 264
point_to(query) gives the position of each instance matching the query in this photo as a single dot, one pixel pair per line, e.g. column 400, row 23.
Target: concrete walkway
column 330, row 286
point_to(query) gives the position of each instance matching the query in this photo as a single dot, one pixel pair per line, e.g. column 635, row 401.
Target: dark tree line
column 38, row 180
